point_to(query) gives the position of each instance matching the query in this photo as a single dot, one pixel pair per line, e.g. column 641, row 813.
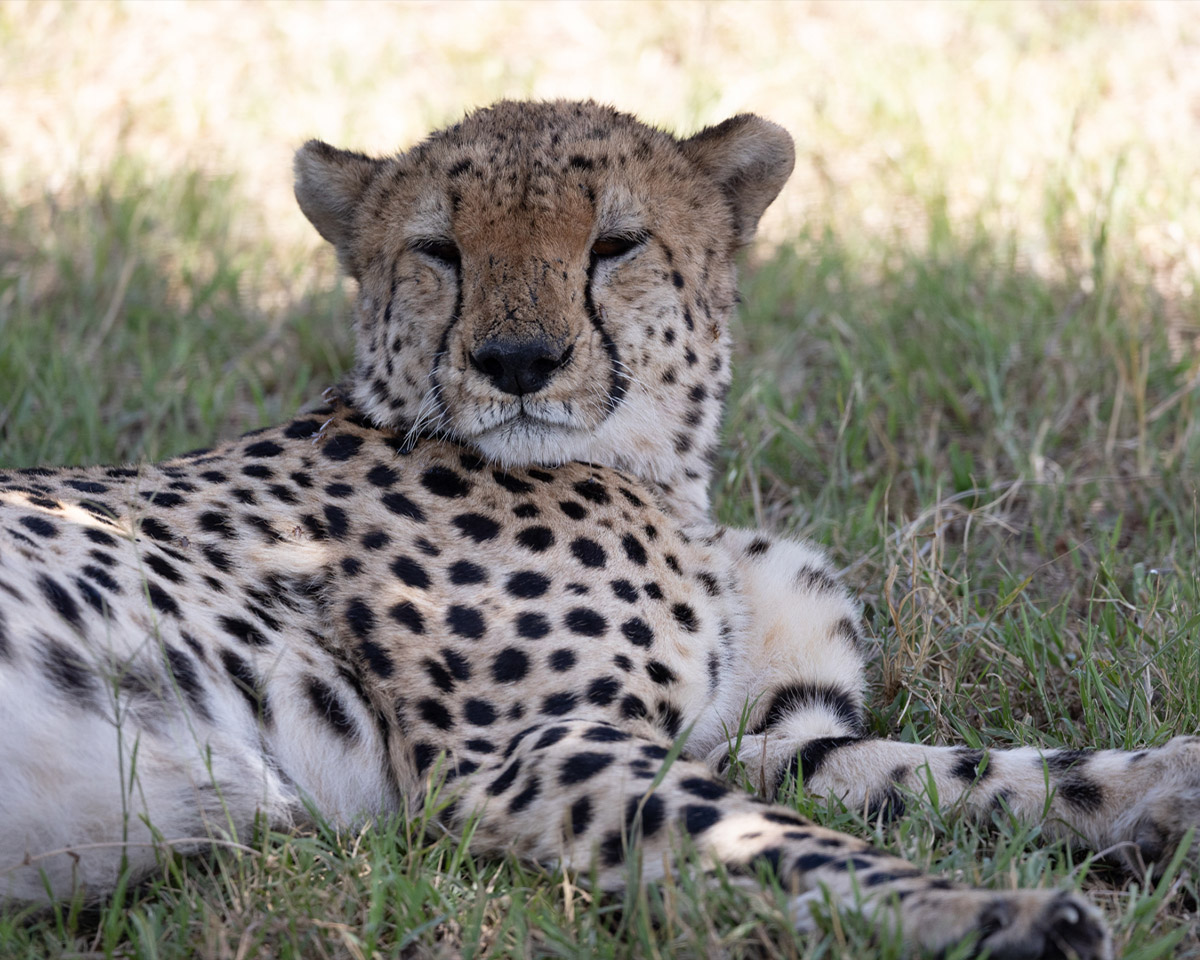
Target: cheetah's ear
column 750, row 158
column 330, row 183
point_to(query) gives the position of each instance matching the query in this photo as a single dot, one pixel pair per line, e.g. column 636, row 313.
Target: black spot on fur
column 669, row 718
column 43, row 528
column 698, row 817
column 685, row 616
column 438, row 674
column 624, row 590
column 86, row 486
column 592, row 491
column 581, row 767
column 888, row 804
column 537, row 539
column 164, row 568
column 217, row 557
column 966, row 766
column 301, row 429
column 523, row 799
column 510, row 665
column 558, row 704
column 424, row 755
column 377, row 659
column 102, row 538
column 407, row 615
column 660, row 673
column 647, row 812
column 550, row 737
column 796, row 697
column 479, row 713
column 410, row 572
column 605, row 734
column 435, row 712
column 704, row 789
column 588, row 552
column 185, row 674
column 338, row 522
column 247, row 683
column 444, row 482
column 512, row 484
column 576, row 511
column 816, row 580
column 382, row 475
column 581, row 816
column 527, row 584
column 465, row 572
column 400, row 505
column 161, row 498
column 603, row 690
column 60, row 600
column 328, row 707
column 213, row 522
column 505, row 780
column 101, row 577
column 360, row 618
column 67, row 672
column 1060, row 761
column 247, row 633
column 532, row 626
column 807, row 862
column 585, row 622
column 815, row 752
column 457, row 664
column 465, row 621
column 476, row 526
column 264, row 448
column 560, row 661
column 341, row 446
column 633, row 549
column 1081, row 792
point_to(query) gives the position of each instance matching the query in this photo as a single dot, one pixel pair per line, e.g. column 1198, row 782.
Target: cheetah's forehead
column 512, row 135
column 544, row 176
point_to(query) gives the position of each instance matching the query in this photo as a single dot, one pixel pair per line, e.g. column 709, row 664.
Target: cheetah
column 487, row 562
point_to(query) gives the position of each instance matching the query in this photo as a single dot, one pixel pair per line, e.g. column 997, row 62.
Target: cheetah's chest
column 475, row 598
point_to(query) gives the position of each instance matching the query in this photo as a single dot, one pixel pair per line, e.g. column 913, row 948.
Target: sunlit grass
column 966, row 364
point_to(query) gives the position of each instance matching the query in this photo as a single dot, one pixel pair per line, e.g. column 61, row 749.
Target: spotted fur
column 489, row 559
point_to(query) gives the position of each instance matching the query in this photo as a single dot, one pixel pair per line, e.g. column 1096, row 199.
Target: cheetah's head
column 551, row 281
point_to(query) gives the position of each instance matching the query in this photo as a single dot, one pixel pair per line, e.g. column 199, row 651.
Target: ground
column 966, row 365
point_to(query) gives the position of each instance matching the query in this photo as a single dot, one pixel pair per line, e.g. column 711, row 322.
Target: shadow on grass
column 140, row 319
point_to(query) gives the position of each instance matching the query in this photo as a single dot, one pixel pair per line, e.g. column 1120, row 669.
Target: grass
column 967, row 364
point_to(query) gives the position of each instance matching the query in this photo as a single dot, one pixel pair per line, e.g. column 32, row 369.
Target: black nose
column 519, row 366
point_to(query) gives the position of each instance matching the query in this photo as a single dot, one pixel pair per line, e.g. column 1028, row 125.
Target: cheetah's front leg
column 805, row 665
column 583, row 793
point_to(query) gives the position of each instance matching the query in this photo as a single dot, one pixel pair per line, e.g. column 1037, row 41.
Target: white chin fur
column 524, row 442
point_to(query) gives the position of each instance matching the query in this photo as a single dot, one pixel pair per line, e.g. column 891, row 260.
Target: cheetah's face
column 549, row 282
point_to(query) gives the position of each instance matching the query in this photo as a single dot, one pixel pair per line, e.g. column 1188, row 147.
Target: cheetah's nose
column 519, row 366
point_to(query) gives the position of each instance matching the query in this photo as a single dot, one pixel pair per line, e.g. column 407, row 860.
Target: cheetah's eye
column 438, row 248
column 611, row 247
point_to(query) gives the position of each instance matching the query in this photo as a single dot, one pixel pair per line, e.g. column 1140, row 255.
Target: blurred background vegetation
column 969, row 359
